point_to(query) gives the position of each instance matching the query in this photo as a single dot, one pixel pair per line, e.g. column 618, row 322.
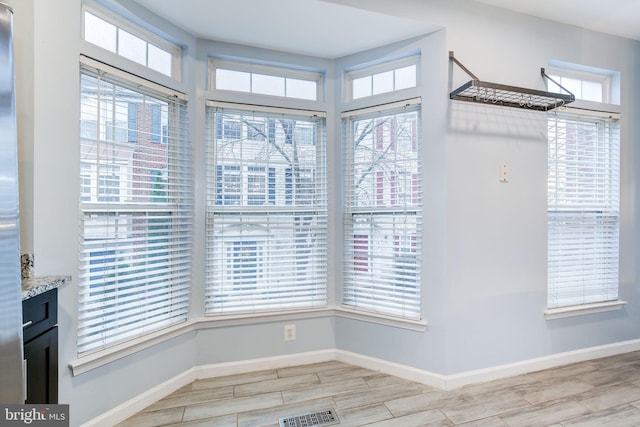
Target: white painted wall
column 492, row 292
column 485, row 242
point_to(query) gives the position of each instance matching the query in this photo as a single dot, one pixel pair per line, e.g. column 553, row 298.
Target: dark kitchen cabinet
column 40, row 334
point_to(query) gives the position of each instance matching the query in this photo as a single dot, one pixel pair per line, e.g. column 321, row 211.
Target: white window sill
column 381, row 319
column 580, row 310
column 90, row 361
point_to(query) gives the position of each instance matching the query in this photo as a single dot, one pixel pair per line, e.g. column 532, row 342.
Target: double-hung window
column 383, row 224
column 583, row 209
column 583, row 193
column 135, row 208
column 266, row 226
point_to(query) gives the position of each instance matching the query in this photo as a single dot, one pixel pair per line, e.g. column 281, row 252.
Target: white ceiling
column 617, row 17
column 326, row 29
column 310, row 27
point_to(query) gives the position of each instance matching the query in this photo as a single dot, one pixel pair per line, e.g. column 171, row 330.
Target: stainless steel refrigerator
column 11, row 373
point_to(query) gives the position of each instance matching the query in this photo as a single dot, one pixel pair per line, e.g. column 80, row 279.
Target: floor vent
column 311, row 419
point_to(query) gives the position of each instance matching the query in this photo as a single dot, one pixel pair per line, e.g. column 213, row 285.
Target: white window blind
column 266, row 242
column 383, row 224
column 583, row 208
column 135, row 209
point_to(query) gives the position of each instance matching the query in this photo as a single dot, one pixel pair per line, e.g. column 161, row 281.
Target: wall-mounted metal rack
column 476, row 90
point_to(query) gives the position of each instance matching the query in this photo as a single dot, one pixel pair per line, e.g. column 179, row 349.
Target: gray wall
column 485, row 243
column 490, row 258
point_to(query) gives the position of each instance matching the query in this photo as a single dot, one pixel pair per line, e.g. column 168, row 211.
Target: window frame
column 251, row 68
column 589, row 111
column 219, row 259
column 604, row 79
column 599, row 119
column 385, row 66
column 358, row 250
column 168, row 218
column 151, row 38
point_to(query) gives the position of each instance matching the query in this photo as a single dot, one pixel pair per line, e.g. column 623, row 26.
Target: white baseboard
column 540, row 363
column 138, row 403
column 452, row 381
column 396, row 369
column 445, row 382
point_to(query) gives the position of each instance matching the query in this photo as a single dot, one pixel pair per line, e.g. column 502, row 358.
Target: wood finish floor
column 601, row 392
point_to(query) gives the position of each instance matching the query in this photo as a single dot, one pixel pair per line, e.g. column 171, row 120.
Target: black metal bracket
column 476, row 90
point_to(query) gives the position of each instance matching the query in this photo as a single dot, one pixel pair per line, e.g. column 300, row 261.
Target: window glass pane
column 233, row 80
column 591, row 91
column 405, row 77
column 110, row 32
column 159, row 60
column 383, row 82
column 256, row 131
column 132, row 47
column 267, row 85
column 99, row 32
column 572, row 85
column 361, row 87
column 303, row 89
column 552, row 87
column 384, row 161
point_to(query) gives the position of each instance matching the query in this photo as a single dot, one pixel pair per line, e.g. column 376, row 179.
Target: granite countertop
column 34, row 286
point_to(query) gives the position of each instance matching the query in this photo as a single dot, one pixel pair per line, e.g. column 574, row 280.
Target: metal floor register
column 311, row 419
